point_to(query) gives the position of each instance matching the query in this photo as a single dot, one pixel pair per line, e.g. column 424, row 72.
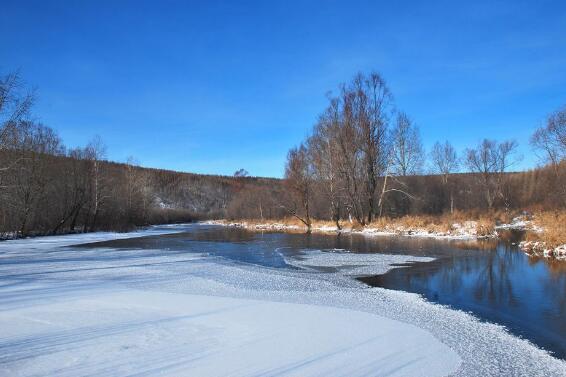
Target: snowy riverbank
column 70, row 311
column 467, row 230
column 538, row 247
column 541, row 249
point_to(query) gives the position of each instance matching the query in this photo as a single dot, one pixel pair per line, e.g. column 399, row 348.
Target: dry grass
column 553, row 223
column 442, row 224
column 433, row 224
column 554, row 228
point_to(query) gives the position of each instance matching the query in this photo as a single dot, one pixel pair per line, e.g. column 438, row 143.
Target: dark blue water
column 492, row 279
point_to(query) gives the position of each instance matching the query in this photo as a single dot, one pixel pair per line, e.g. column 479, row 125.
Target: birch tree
column 95, row 152
column 324, row 152
column 551, row 139
column 489, row 160
column 444, row 161
column 407, row 149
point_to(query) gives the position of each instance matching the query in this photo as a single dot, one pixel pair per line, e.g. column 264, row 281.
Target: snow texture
column 67, row 311
column 350, row 264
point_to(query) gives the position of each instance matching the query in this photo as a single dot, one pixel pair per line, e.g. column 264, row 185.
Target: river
column 491, row 279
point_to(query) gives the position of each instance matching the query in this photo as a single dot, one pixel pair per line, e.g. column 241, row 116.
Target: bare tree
column 298, row 177
column 324, row 150
column 15, row 104
column 373, row 101
column 445, row 162
column 490, row 160
column 95, row 152
column 139, row 192
column 349, row 166
column 31, row 145
column 407, row 147
column 551, row 139
column 404, row 157
column 73, row 184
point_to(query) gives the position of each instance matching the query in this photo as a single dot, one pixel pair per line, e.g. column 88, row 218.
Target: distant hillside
column 210, row 196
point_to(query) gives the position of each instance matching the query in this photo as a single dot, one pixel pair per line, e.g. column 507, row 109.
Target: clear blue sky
column 214, row 86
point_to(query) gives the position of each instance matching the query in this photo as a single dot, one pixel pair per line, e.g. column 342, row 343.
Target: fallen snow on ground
column 67, row 311
column 124, row 332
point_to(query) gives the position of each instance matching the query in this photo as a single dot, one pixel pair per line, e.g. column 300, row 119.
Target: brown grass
column 423, row 222
column 443, row 223
column 432, row 224
column 554, row 225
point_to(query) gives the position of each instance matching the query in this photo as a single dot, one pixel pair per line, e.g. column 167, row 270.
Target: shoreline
column 469, row 230
column 466, row 231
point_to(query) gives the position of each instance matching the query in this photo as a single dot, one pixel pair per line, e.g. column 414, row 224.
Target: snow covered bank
column 49, row 242
column 541, row 249
column 66, row 311
column 521, row 223
column 538, row 243
column 467, row 230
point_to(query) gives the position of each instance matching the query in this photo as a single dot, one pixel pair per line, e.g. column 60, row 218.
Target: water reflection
column 503, row 286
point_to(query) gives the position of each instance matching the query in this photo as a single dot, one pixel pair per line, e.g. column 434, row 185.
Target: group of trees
column 365, row 159
column 47, row 188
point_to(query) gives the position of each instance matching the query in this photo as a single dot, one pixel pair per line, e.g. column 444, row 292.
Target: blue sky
column 214, row 86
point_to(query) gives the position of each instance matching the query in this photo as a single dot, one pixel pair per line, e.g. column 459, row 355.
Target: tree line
column 364, row 159
column 49, row 188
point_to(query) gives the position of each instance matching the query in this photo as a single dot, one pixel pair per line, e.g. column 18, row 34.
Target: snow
column 70, row 311
column 48, row 242
column 109, row 332
column 520, row 223
column 352, row 264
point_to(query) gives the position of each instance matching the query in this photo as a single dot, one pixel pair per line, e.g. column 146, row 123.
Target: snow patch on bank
column 521, row 223
column 541, row 249
column 467, row 230
column 534, row 248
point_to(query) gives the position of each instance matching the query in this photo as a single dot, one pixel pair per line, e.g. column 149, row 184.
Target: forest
column 363, row 160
